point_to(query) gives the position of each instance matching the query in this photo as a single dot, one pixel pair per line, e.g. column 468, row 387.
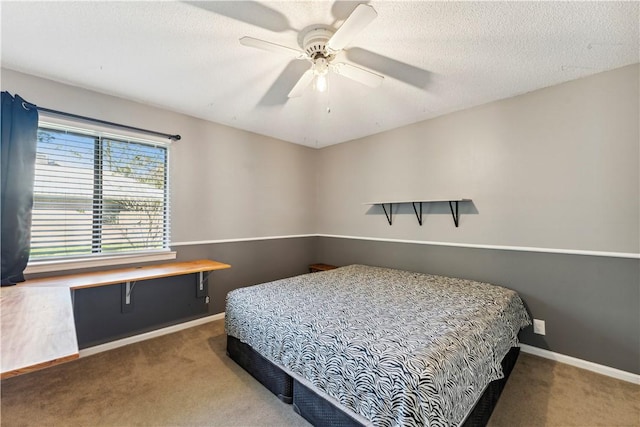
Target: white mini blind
column 97, row 194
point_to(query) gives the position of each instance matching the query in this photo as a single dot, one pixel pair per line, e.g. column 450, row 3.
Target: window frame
column 44, row 265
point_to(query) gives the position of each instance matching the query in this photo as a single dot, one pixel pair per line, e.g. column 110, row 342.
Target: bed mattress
column 393, row 347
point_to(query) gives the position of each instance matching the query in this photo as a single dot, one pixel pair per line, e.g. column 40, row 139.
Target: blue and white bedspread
column 398, row 348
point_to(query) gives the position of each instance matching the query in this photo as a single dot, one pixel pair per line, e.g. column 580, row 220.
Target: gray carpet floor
column 186, row 379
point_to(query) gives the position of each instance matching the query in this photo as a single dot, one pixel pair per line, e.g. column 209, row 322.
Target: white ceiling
column 437, row 57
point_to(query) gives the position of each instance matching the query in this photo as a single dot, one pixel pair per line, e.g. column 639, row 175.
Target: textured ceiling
column 437, row 57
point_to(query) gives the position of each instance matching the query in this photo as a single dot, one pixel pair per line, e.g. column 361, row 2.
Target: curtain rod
column 103, row 122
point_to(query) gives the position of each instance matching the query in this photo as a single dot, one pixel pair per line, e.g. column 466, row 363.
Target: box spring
column 267, row 373
column 323, row 413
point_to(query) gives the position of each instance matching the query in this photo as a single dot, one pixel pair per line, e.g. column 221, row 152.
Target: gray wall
column 252, row 262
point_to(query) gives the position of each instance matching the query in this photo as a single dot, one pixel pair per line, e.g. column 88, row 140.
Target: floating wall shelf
column 454, row 214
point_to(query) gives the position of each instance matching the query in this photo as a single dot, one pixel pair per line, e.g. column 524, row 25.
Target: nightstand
column 314, row 268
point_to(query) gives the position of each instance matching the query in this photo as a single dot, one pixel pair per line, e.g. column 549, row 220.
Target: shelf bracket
column 456, row 215
column 385, row 211
column 128, row 289
column 201, row 289
column 419, row 216
column 127, row 296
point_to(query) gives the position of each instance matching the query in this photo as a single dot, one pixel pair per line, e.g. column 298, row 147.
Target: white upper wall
column 555, row 168
column 225, row 183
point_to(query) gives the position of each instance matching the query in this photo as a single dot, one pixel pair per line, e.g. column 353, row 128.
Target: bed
column 363, row 345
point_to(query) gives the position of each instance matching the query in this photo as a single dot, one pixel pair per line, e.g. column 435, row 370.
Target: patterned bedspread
column 398, row 348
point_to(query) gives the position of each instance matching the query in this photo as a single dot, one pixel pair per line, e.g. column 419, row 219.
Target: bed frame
column 322, row 412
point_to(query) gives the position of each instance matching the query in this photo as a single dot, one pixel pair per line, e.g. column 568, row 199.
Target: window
column 96, row 194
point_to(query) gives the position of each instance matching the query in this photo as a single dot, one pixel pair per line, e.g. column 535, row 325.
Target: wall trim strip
column 583, row 364
column 493, row 247
column 89, row 351
column 423, row 242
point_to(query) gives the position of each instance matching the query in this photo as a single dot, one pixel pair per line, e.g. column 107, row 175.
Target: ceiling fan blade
column 358, row 74
column 272, row 47
column 362, row 16
column 404, row 72
column 302, row 84
column 279, row 90
column 250, row 12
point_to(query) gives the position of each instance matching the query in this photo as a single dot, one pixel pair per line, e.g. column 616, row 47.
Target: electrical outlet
column 538, row 327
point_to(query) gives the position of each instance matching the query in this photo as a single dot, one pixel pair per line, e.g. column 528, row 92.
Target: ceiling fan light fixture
column 321, row 83
column 320, row 70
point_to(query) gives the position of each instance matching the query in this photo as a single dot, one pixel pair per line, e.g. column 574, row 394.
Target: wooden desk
column 37, row 324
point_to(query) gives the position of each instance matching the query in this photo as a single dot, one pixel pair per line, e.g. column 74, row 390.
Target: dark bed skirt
column 323, row 413
column 267, row 373
column 319, row 411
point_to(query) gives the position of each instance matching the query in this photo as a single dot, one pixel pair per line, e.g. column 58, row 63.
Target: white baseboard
column 579, row 363
column 148, row 335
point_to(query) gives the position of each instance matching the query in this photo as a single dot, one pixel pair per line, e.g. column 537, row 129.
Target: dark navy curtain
column 17, row 166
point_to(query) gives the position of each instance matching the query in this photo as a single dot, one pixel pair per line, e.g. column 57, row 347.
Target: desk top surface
column 122, row 275
column 37, row 329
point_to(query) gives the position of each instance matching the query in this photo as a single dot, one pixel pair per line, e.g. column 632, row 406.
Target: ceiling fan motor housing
column 315, row 44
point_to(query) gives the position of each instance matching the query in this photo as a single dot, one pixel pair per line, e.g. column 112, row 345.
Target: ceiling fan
column 320, row 45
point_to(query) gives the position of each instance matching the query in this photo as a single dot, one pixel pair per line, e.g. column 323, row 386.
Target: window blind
column 97, row 194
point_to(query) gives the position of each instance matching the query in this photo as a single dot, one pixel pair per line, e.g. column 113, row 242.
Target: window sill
column 75, row 264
